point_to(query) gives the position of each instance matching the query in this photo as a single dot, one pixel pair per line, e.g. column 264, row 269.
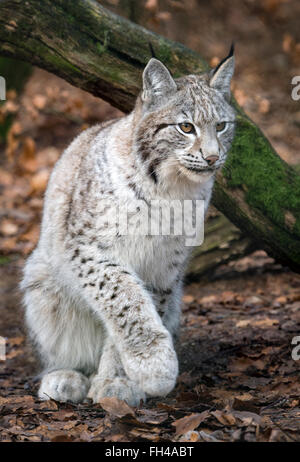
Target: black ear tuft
column 221, row 76
column 231, row 53
column 152, row 50
column 154, row 55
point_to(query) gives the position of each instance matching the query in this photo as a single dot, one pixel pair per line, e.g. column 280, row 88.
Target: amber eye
column 187, row 127
column 220, row 126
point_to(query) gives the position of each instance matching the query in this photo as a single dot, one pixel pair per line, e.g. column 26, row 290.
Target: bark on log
column 223, row 242
column 105, row 54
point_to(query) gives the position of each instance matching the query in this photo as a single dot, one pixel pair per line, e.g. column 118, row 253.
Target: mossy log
column 105, row 54
column 223, row 243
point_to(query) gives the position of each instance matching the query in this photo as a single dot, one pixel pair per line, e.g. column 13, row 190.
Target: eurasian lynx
column 103, row 309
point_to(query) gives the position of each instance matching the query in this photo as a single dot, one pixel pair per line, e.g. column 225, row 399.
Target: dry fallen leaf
column 224, row 417
column 188, row 299
column 27, row 160
column 247, row 418
column 190, row 437
column 25, row 400
column 116, row 407
column 39, row 101
column 49, row 405
column 151, row 5
column 263, row 322
column 39, row 181
column 189, row 422
column 8, row 228
column 12, row 140
column 208, row 300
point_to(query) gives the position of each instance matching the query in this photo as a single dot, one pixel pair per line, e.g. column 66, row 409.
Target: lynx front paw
column 156, row 374
column 120, row 387
column 64, row 385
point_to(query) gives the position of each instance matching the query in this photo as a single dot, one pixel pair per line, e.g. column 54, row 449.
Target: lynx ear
column 157, row 81
column 221, row 76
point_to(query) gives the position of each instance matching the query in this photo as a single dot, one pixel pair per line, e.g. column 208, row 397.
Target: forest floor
column 238, row 381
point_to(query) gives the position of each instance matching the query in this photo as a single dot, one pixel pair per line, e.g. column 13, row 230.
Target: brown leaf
column 8, row 228
column 27, row 160
column 252, row 301
column 12, row 141
column 63, row 415
column 151, row 435
column 116, row 406
column 188, row 299
column 7, row 245
column 189, row 422
column 242, row 364
column 17, row 401
column 264, row 106
column 50, row 405
column 39, row 181
column 32, row 234
column 228, row 297
column 208, row 300
column 39, row 101
column 225, row 418
column 262, row 323
column 151, row 416
column 16, row 340
column 151, row 5
column 247, row 418
column 245, row 402
column 190, row 437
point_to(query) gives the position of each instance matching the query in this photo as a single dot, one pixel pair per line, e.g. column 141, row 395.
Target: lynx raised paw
column 64, row 385
column 120, row 387
column 155, row 374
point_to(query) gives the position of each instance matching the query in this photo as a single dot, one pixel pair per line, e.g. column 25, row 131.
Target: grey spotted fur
column 103, row 310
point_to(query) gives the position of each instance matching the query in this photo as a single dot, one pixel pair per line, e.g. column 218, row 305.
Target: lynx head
column 186, row 125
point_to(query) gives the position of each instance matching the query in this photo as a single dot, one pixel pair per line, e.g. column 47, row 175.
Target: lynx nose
column 211, row 160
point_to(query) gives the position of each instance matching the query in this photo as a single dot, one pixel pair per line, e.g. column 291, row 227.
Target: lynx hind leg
column 64, row 385
column 111, row 380
column 67, row 337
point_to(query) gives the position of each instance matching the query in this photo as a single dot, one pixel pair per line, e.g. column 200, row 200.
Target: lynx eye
column 220, row 126
column 186, row 127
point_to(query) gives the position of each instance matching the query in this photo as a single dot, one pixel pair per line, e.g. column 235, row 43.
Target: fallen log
column 105, row 54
